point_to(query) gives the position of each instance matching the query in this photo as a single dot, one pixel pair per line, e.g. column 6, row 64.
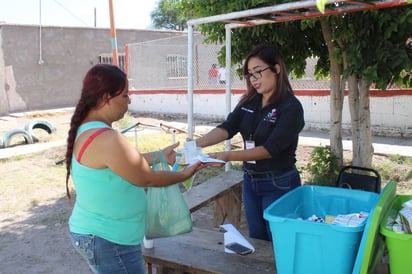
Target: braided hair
column 101, row 79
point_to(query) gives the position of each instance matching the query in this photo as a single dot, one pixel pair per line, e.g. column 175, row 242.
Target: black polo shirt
column 276, row 127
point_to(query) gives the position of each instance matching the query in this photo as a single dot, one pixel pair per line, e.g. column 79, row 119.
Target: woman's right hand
column 190, row 170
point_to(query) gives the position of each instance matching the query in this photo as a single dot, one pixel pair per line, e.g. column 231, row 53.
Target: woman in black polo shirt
column 269, row 117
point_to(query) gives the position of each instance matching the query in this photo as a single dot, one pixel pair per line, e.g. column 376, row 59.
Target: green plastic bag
column 189, row 181
column 167, row 212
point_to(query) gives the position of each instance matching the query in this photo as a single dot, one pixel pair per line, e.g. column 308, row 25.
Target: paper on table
column 233, row 235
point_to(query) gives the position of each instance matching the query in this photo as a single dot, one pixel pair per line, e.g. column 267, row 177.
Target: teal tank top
column 106, row 205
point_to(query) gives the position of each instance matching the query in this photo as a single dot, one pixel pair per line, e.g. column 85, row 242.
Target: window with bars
column 177, row 66
column 107, row 59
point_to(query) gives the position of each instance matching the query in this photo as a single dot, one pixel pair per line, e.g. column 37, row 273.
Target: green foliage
column 379, row 53
column 307, row 41
column 324, row 168
column 169, row 14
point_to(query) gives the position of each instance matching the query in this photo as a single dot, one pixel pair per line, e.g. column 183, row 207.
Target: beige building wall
column 27, row 83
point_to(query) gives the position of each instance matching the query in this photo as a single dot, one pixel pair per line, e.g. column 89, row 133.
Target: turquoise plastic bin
column 302, row 246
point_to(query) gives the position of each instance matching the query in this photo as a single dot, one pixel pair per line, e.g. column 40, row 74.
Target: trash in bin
column 300, row 245
column 399, row 244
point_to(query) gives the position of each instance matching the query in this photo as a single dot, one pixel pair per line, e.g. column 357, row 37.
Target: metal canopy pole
column 190, row 67
column 296, row 10
column 228, row 76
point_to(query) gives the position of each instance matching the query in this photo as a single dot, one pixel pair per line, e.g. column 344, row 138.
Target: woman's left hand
column 170, row 153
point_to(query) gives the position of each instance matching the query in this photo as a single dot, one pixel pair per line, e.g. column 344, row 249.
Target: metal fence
column 162, row 64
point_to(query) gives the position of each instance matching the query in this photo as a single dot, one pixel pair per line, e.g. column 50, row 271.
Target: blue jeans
column 106, row 257
column 259, row 192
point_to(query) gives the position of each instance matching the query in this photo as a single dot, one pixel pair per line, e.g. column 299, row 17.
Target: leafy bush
column 323, row 168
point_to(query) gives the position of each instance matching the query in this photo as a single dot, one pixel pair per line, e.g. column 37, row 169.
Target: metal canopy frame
column 268, row 15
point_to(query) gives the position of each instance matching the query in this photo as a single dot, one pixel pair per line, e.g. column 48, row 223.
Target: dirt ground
column 34, row 210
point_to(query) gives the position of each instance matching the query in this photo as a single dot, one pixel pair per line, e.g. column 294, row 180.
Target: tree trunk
column 359, row 106
column 336, row 95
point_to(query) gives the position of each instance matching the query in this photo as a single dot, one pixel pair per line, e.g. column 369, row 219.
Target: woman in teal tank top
column 108, row 219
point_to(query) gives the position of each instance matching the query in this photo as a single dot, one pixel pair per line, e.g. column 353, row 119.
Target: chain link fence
column 162, row 64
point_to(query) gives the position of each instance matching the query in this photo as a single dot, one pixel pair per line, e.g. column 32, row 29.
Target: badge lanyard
column 251, row 143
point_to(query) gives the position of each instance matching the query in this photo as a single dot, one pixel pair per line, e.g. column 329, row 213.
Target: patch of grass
column 399, row 159
column 34, row 202
column 125, row 122
column 30, row 180
column 385, row 170
column 395, row 170
column 156, row 141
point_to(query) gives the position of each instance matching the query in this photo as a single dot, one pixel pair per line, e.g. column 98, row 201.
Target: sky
column 128, row 14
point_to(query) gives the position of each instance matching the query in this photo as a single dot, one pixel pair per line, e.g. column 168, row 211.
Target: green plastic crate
column 399, row 244
column 372, row 244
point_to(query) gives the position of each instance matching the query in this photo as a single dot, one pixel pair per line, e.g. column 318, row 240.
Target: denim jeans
column 261, row 191
column 104, row 256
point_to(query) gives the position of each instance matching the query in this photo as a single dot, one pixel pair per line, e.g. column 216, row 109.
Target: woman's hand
column 220, row 156
column 190, row 170
column 224, row 156
column 170, row 153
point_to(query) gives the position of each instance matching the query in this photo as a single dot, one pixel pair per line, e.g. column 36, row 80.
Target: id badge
column 250, row 144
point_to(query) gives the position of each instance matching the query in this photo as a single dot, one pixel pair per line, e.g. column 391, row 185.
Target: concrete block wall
column 67, row 53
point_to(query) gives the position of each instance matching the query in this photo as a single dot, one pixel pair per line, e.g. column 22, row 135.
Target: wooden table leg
column 149, row 268
column 229, row 206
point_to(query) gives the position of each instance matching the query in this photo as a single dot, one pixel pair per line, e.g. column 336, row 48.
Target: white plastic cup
column 147, row 243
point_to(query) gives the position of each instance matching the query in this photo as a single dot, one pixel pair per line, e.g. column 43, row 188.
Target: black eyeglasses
column 256, row 74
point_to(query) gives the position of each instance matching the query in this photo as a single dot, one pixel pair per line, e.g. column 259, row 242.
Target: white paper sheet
column 206, row 159
column 233, row 235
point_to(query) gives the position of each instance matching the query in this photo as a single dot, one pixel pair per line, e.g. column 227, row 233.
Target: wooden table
column 202, row 251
